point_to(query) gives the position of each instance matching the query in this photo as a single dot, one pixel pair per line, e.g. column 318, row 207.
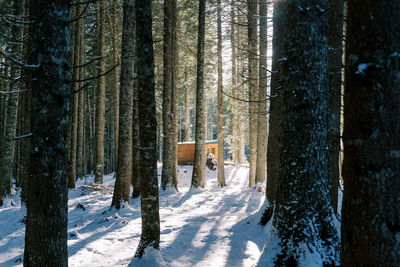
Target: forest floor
column 206, row 227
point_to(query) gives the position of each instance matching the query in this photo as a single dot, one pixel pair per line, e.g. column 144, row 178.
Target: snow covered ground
column 209, row 227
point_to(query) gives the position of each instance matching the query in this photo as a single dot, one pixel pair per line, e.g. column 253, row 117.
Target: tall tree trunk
column 235, row 110
column 335, row 42
column 262, row 127
column 124, row 161
column 148, row 130
column 253, row 85
column 273, row 151
column 46, row 220
column 169, row 177
column 116, row 60
column 371, row 169
column 303, row 217
column 101, row 93
column 199, row 151
column 8, row 148
column 81, row 107
column 221, row 133
column 75, row 97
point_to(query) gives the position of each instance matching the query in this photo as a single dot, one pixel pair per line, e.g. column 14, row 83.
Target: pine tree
column 371, row 169
column 147, row 130
column 221, row 133
column 262, row 130
column 101, row 94
column 169, row 178
column 46, row 220
column 303, row 218
column 200, row 135
column 124, row 161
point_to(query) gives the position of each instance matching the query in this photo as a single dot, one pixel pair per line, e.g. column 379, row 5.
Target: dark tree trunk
column 46, row 221
column 200, row 132
column 335, row 43
column 303, row 217
column 371, row 169
column 147, row 130
column 124, row 161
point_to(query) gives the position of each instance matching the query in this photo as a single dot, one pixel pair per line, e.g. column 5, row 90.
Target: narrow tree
column 335, row 42
column 199, row 151
column 46, row 220
column 303, row 218
column 135, row 181
column 221, row 133
column 262, row 129
column 253, row 86
column 371, row 169
column 101, row 94
column 124, row 161
column 273, row 150
column 235, row 123
column 169, row 177
column 74, row 99
column 147, row 130
column 116, row 61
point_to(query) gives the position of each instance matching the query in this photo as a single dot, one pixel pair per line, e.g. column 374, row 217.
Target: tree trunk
column 303, row 217
column 116, row 60
column 273, row 151
column 235, row 116
column 46, row 220
column 199, row 151
column 101, row 92
column 75, row 97
column 124, row 161
column 148, row 130
column 221, row 133
column 371, row 169
column 335, row 43
column 262, row 127
column 169, row 177
column 135, row 181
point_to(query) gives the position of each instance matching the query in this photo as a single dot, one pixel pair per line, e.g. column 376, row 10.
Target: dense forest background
column 304, row 94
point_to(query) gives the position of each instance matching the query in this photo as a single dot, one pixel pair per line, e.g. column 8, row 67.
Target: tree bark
column 262, row 127
column 235, row 110
column 335, row 43
column 199, row 151
column 148, row 130
column 371, row 169
column 74, row 98
column 273, row 151
column 124, row 161
column 221, row 133
column 169, row 177
column 303, row 217
column 101, row 92
column 46, row 220
column 252, row 23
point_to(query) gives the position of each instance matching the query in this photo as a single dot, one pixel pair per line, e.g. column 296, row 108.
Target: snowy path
column 209, row 227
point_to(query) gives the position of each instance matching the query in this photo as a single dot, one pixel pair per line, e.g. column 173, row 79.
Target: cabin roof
column 208, row 142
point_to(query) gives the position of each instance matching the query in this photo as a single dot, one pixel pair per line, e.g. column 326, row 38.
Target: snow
column 205, row 227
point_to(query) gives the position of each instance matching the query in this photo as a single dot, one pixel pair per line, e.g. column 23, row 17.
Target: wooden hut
column 186, row 151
